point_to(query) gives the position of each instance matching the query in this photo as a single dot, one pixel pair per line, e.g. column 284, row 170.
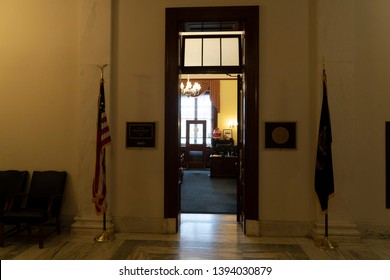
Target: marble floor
column 204, row 237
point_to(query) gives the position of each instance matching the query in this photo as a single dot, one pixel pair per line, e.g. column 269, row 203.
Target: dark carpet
column 202, row 194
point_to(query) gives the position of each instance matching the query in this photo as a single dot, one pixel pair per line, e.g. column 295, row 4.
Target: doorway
column 247, row 19
column 209, row 183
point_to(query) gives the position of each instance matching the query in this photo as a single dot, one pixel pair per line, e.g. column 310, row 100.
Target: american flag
column 103, row 138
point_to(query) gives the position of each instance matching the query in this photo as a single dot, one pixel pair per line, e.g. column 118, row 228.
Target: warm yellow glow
column 232, row 123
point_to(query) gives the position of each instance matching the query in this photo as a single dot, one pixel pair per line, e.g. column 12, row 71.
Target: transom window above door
column 212, row 50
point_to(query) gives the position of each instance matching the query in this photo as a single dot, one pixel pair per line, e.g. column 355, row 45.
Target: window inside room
column 199, row 108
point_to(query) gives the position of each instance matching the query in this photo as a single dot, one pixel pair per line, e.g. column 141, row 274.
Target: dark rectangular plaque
column 140, row 134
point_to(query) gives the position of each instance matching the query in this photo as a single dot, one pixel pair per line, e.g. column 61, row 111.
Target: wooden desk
column 223, row 166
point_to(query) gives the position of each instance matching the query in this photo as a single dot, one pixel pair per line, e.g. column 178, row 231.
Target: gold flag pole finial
column 102, row 70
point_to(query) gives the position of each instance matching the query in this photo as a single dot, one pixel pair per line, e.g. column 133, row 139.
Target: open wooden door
column 240, row 150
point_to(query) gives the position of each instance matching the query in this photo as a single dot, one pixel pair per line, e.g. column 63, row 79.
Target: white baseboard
column 374, row 230
column 91, row 225
column 345, row 232
column 139, row 225
column 252, row 228
column 170, row 225
column 286, row 228
column 339, row 232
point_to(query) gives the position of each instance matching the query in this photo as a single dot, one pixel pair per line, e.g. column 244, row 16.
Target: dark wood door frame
column 248, row 16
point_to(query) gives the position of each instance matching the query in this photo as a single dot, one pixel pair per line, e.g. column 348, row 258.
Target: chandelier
column 190, row 90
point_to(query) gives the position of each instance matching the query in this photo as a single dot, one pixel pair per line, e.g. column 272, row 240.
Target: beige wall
column 39, row 87
column 41, row 101
column 228, row 109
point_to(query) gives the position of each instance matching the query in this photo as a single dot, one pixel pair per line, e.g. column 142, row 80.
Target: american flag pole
column 103, row 138
column 324, row 181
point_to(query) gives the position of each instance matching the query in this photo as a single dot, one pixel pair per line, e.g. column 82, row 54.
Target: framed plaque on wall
column 280, row 135
column 140, row 134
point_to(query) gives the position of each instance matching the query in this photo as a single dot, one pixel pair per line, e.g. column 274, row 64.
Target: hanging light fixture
column 190, row 90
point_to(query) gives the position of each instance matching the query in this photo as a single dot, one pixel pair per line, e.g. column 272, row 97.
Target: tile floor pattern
column 206, row 237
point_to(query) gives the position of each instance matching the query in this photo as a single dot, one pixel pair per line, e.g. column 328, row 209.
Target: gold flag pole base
column 104, row 237
column 327, row 244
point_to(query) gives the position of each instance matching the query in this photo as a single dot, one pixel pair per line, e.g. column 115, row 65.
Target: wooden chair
column 12, row 182
column 43, row 205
